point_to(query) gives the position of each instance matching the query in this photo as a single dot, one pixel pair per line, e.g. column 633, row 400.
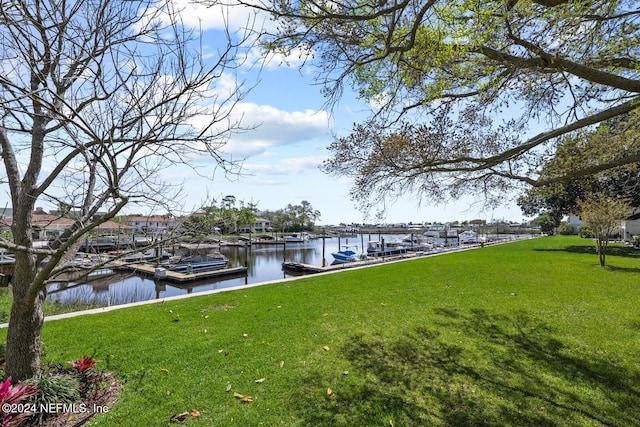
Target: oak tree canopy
column 582, row 150
column 468, row 96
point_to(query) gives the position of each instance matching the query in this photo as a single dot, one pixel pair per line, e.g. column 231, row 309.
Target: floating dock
column 297, row 267
column 173, row 276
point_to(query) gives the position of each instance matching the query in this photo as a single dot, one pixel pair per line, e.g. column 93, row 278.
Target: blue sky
column 283, row 154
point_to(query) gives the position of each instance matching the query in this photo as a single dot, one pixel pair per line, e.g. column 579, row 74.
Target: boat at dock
column 436, row 231
column 415, row 243
column 200, row 263
column 347, row 255
column 107, row 243
column 141, row 256
column 296, row 238
column 468, row 237
column 377, row 248
column 440, row 231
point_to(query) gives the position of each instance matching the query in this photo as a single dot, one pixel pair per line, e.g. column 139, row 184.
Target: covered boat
column 347, row 255
column 199, row 263
column 468, row 237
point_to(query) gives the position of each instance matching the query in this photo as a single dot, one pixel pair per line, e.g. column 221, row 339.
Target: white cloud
column 241, row 23
column 274, row 128
column 219, row 16
column 288, row 166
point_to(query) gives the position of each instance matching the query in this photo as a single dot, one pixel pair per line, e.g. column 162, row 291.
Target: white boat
column 200, row 263
column 347, row 255
column 379, row 248
column 149, row 254
column 412, row 238
column 468, row 237
column 415, row 242
column 435, row 230
column 296, row 238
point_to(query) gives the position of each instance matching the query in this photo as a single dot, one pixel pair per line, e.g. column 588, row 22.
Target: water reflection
column 264, row 263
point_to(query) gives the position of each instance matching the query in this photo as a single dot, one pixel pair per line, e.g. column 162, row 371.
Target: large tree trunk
column 23, row 340
column 25, row 324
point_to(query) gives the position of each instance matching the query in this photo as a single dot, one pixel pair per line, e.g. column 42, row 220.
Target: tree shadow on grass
column 622, row 269
column 617, row 251
column 473, row 369
column 612, row 251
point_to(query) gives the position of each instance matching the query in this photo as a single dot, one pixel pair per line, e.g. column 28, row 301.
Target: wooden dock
column 172, row 276
column 297, row 267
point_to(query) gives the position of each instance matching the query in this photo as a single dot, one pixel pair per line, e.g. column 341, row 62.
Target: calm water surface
column 264, row 263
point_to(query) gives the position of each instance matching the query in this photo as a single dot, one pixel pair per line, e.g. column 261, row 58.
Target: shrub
column 14, row 394
column 585, row 232
column 54, row 389
column 87, row 362
column 565, row 229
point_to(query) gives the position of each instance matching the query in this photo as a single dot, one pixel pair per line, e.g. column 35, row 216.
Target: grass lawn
column 50, row 308
column 523, row 334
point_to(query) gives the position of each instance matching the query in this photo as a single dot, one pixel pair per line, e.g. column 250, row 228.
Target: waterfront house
column 629, row 227
column 47, row 226
column 151, row 224
column 261, row 225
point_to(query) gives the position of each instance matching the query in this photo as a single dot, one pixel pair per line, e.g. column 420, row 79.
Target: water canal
column 263, row 262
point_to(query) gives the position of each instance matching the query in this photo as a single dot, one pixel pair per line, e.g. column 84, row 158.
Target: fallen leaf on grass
column 164, row 371
column 242, row 398
column 329, row 392
column 325, row 348
column 281, row 363
column 179, row 418
column 261, row 380
column 245, row 335
column 195, row 413
column 228, row 387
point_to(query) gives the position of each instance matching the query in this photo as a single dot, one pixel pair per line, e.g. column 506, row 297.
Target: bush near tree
column 603, row 215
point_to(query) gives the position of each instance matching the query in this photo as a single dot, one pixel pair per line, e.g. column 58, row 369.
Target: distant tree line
column 231, row 216
column 293, row 218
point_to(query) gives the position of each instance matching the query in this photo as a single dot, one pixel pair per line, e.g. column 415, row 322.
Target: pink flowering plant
column 12, row 396
column 87, row 362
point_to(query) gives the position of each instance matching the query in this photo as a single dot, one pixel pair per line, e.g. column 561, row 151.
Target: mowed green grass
column 521, row 334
